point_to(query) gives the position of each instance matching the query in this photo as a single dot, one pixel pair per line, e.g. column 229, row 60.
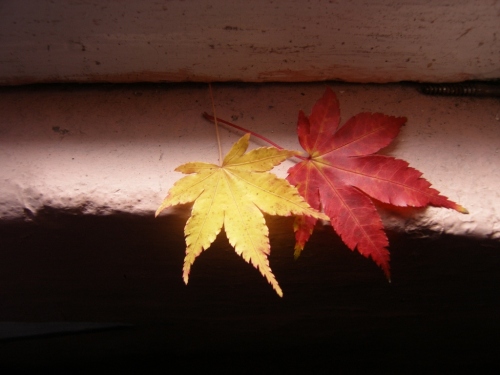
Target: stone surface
column 105, row 149
column 257, row 41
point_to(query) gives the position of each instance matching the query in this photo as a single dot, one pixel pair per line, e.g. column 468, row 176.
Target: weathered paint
column 253, row 41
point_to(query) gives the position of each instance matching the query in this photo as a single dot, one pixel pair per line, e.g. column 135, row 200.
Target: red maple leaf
column 341, row 176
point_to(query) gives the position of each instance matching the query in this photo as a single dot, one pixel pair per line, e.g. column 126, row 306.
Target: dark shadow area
column 440, row 314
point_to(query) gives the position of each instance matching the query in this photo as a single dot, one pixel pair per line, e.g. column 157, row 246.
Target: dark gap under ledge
column 338, row 309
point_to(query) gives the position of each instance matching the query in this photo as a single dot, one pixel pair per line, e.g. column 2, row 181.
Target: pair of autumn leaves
column 336, row 182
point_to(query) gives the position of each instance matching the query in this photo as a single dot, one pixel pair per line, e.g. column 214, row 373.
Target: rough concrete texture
column 104, row 148
column 258, row 41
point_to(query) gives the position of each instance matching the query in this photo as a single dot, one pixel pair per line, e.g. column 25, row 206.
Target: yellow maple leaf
column 234, row 195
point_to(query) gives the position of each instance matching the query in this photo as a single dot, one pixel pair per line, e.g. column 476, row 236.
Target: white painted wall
column 258, row 40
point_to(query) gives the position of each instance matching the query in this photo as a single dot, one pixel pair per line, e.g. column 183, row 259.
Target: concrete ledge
column 102, row 149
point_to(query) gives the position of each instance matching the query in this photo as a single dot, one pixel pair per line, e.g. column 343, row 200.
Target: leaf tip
column 279, row 292
column 161, row 208
column 324, row 217
column 387, row 271
column 297, row 251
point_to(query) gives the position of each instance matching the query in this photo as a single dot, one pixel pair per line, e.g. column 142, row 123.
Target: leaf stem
column 215, row 122
column 216, row 119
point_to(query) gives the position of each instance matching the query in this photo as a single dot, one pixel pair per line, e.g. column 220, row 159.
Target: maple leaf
column 341, row 174
column 234, row 195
